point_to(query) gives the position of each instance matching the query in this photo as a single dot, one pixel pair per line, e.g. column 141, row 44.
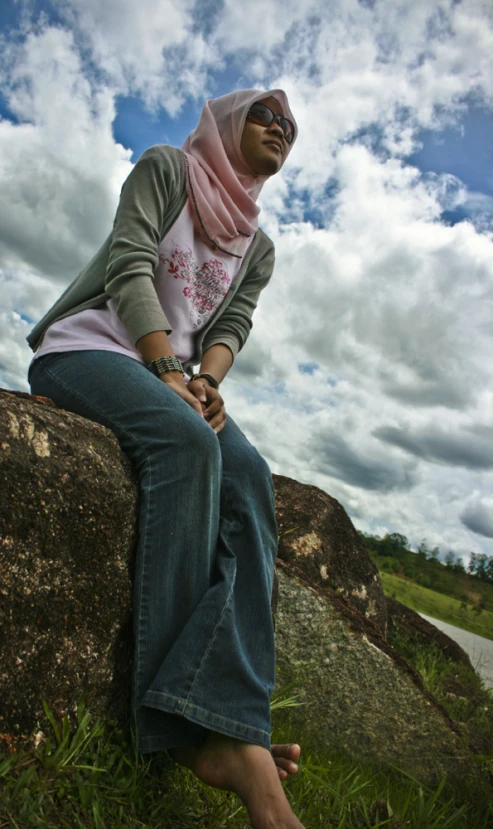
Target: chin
column 268, row 167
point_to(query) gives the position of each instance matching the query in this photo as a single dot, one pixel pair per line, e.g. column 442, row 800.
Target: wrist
column 166, row 364
column 172, row 377
column 208, row 378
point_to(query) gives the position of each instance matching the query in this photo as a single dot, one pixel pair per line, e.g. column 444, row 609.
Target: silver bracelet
column 162, row 364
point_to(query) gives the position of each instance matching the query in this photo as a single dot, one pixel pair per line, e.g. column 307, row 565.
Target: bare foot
column 286, row 758
column 249, row 771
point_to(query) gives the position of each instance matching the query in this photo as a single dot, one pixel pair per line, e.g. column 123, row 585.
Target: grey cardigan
column 151, row 200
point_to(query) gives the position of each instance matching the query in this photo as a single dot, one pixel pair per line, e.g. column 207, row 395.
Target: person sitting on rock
column 175, row 286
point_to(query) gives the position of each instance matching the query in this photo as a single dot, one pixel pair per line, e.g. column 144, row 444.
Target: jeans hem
column 200, row 716
column 148, row 745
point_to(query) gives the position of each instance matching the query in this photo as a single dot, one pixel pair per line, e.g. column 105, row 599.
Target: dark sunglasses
column 262, row 114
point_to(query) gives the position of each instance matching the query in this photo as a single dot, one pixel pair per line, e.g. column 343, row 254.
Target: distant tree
column 482, row 565
column 390, row 565
column 489, row 570
column 371, row 542
column 479, row 566
column 459, row 566
column 393, row 544
column 398, row 541
column 384, row 548
column 450, row 559
column 422, row 552
column 434, row 555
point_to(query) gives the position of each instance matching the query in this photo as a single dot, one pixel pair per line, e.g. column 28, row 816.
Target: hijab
column 221, row 187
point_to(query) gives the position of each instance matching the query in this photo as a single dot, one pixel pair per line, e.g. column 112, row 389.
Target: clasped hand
column 206, row 401
column 211, row 402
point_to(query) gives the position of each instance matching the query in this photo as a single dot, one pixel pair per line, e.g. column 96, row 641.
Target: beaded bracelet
column 162, row 364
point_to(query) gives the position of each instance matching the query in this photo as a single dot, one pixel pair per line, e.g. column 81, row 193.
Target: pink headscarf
column 222, row 188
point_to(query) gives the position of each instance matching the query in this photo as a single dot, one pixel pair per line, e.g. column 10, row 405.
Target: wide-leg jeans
column 204, row 643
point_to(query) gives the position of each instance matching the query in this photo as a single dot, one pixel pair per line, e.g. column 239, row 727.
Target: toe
column 290, row 751
column 286, row 765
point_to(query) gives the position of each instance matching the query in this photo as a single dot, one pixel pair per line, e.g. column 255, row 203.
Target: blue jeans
column 204, row 643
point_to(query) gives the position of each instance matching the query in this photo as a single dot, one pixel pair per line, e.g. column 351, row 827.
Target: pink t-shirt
column 190, row 280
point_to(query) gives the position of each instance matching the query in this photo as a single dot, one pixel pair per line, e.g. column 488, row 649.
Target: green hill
column 438, row 605
column 444, row 590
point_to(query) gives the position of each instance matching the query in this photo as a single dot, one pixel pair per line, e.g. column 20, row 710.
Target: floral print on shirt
column 206, row 285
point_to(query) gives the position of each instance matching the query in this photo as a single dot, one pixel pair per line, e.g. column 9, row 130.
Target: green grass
column 475, row 709
column 437, row 605
column 92, row 778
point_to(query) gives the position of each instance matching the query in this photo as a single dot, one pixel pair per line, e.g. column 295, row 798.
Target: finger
column 219, row 428
column 290, row 751
column 286, row 765
column 217, row 422
column 215, row 403
column 213, row 408
column 198, row 389
column 194, row 403
column 188, row 397
column 217, row 425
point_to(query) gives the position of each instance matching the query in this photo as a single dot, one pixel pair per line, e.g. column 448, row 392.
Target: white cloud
column 150, row 48
column 24, row 296
column 391, row 305
column 60, row 176
column 60, row 169
column 395, row 309
column 396, row 67
column 381, row 293
column 478, row 515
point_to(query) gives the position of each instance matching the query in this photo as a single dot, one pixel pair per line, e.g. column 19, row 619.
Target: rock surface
column 67, row 536
column 316, row 534
column 410, row 624
column 357, row 695
column 67, row 533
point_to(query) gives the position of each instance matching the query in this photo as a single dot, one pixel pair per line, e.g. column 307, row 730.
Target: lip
column 275, row 144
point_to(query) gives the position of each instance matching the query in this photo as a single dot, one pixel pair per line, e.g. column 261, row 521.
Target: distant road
column 479, row 649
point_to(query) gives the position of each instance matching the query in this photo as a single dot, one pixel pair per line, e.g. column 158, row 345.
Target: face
column 264, row 148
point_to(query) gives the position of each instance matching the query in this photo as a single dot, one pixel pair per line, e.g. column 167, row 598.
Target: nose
column 275, row 128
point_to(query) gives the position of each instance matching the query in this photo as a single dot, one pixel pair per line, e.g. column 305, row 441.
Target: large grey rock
column 357, row 695
column 318, row 540
column 67, row 533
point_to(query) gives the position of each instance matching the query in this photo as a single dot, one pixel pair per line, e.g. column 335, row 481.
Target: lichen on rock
column 67, row 536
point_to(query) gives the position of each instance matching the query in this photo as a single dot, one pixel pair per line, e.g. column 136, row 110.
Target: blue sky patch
column 465, row 151
column 307, row 368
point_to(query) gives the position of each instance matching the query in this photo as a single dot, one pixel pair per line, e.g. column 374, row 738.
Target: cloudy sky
column 369, row 369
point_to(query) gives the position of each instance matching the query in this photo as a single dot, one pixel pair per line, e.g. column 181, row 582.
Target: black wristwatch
column 210, row 379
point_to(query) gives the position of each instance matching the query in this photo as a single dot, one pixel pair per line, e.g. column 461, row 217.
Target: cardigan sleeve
column 233, row 326
column 148, row 195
